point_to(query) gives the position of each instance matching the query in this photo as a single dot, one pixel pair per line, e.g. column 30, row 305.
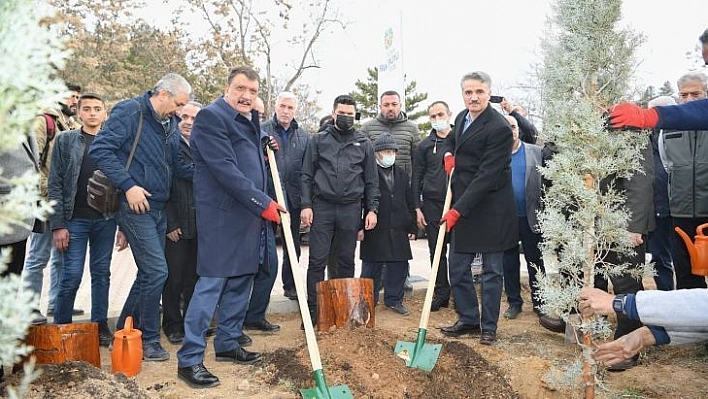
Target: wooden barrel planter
column 345, row 301
column 58, row 343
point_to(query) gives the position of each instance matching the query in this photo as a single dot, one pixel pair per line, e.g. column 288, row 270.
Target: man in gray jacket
column 686, row 161
column 395, row 122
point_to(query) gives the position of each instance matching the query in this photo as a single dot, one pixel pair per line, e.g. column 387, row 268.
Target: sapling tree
column 30, row 54
column 587, row 66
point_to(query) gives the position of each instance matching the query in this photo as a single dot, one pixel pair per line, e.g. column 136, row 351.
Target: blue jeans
column 231, row 295
column 99, row 234
column 264, row 281
column 41, row 249
column 396, row 273
column 660, row 248
column 146, row 236
column 464, row 292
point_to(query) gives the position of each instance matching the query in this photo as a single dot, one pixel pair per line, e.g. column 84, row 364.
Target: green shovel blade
column 418, row 354
column 322, row 391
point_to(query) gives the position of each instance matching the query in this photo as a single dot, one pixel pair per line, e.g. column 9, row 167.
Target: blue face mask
column 387, row 160
column 440, row 125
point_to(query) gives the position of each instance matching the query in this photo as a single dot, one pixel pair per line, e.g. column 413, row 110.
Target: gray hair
column 195, row 104
column 174, row 84
column 477, row 75
column 691, row 77
column 287, row 95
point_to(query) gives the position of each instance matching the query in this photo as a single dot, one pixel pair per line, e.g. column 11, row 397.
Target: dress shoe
column 239, row 355
column 290, row 294
column 624, row 365
column 488, row 338
column 262, row 325
column 458, row 329
column 439, row 303
column 399, row 308
column 513, row 312
column 197, row 376
column 154, row 352
column 244, row 340
column 555, row 324
column 175, row 337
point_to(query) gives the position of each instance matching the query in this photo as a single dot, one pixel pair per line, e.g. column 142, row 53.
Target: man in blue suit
column 232, row 210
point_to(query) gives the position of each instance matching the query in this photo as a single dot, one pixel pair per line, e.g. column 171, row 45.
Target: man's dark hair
column 390, row 93
column 249, row 72
column 91, row 96
column 345, row 99
column 444, row 104
column 704, row 37
column 73, row 87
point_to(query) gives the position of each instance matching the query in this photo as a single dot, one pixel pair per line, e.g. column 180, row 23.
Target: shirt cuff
column 630, row 307
column 660, row 335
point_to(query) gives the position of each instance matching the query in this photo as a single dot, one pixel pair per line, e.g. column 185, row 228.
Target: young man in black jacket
column 429, row 185
column 338, row 176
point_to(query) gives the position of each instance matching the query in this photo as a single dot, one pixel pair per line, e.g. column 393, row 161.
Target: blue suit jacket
column 229, row 190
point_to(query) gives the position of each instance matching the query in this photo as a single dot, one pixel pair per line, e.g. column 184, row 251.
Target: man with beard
column 47, row 125
column 339, row 176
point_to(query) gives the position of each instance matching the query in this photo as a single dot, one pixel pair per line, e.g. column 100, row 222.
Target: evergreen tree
column 366, row 97
column 587, row 63
column 667, row 89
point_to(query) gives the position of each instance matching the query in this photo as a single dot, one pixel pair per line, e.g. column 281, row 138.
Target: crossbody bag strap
column 137, row 138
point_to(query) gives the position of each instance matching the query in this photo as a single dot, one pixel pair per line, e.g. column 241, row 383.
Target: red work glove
column 448, row 162
column 272, row 212
column 450, row 218
column 628, row 116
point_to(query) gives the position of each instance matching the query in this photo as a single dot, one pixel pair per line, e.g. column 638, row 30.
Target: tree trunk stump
column 345, row 301
column 58, row 343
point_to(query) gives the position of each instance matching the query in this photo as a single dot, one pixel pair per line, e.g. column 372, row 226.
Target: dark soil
column 77, row 380
column 365, row 361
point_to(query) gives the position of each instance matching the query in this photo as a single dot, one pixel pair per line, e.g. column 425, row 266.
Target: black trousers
column 432, row 211
column 287, row 272
column 624, row 284
column 329, row 220
column 181, row 257
column 679, row 253
column 17, row 258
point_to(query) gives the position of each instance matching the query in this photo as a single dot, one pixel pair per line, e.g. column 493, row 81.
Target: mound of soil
column 77, row 380
column 364, row 360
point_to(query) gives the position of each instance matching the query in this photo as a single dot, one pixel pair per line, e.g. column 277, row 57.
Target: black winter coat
column 388, row 241
column 429, row 179
column 481, row 184
column 180, row 209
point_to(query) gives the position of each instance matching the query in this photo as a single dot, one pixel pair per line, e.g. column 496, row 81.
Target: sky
column 444, row 39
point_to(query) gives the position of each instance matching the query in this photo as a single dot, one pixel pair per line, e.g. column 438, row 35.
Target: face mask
column 440, row 125
column 344, row 122
column 387, row 160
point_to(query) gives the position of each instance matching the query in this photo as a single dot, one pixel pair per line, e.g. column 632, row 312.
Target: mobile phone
column 496, row 99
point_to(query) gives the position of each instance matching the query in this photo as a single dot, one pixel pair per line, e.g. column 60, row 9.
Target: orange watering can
column 698, row 250
column 127, row 354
